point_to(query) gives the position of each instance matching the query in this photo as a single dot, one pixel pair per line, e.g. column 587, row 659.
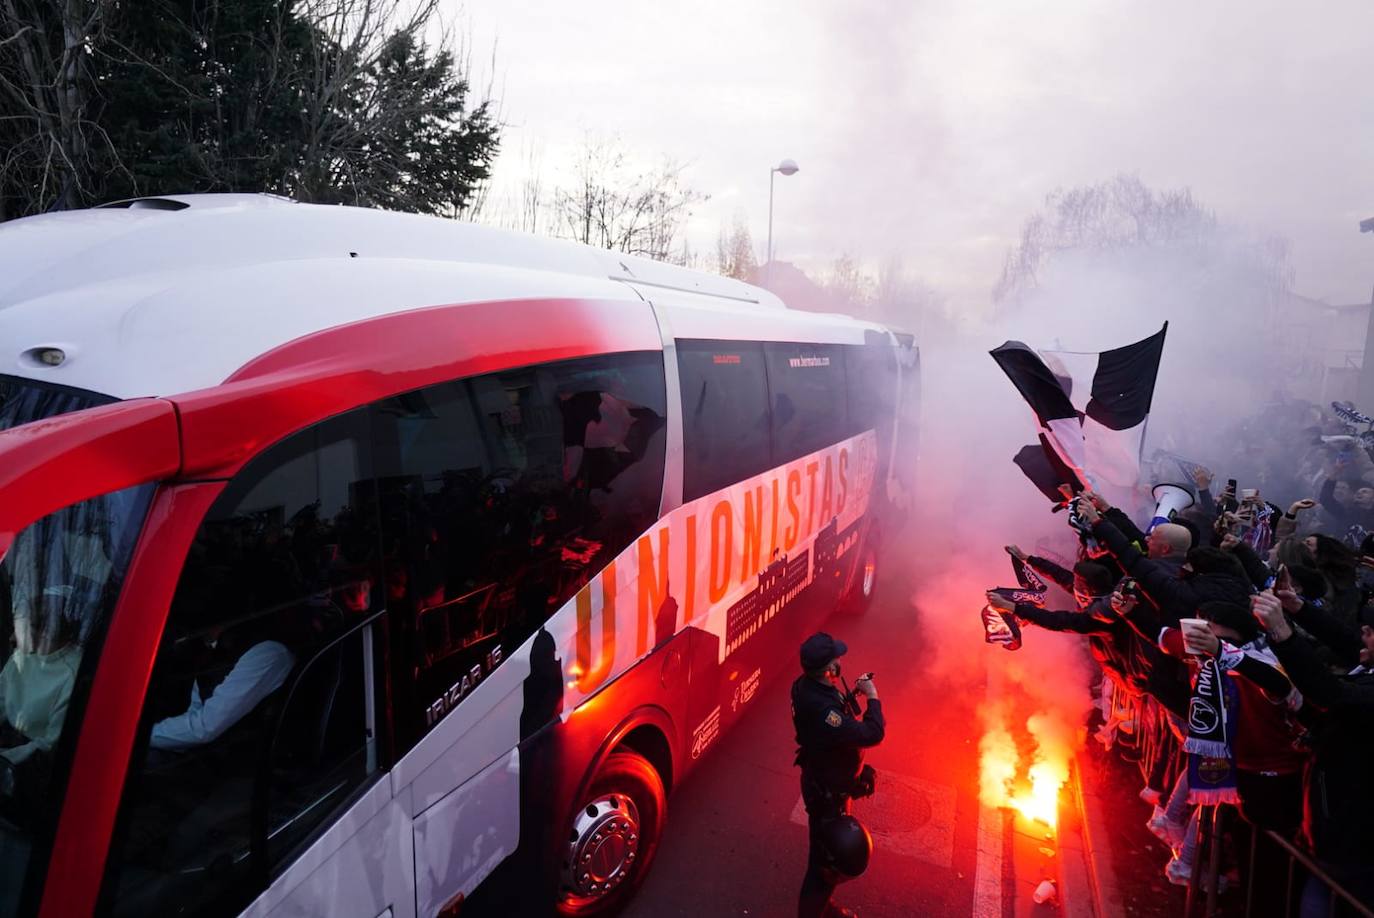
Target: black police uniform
column 830, row 741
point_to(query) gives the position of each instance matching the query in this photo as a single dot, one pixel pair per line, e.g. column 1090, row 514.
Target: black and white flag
column 1048, row 398
column 1093, row 407
column 1041, row 464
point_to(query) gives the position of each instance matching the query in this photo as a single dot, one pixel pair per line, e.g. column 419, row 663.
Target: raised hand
column 1268, row 611
column 1123, row 604
column 1000, row 602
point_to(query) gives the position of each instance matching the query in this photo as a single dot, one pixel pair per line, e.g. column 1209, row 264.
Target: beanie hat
column 1230, row 615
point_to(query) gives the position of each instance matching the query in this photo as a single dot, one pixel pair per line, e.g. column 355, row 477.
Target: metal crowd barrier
column 1300, row 869
column 1152, row 740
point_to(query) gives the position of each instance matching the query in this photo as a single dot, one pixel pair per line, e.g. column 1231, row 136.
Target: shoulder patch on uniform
column 834, row 719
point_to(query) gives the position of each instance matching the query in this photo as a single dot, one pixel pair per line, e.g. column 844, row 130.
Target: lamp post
column 786, row 167
column 1364, row 390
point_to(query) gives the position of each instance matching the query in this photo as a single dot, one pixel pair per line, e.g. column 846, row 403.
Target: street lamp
column 1364, row 389
column 786, row 167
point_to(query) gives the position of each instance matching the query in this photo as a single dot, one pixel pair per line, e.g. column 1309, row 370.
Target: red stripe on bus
column 329, row 372
column 53, row 463
column 96, row 784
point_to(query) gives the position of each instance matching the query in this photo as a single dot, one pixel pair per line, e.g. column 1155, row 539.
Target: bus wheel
column 865, row 580
column 613, row 837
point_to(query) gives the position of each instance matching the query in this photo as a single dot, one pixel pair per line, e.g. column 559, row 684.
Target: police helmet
column 847, row 845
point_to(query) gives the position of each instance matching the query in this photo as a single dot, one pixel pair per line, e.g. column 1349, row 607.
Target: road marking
column 987, row 875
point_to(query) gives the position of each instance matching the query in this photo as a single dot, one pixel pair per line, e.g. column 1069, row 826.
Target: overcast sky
column 933, row 129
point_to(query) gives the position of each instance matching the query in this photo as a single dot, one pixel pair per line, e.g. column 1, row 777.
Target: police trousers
column 818, row 885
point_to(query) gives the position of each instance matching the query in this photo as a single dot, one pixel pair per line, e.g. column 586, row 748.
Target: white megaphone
column 1169, row 499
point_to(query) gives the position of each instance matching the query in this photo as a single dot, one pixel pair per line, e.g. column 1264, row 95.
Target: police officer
column 830, row 740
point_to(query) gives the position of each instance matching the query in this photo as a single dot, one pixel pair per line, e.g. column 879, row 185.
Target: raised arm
column 1075, row 622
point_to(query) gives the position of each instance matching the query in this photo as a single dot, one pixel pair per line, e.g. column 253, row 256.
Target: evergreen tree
column 332, row 101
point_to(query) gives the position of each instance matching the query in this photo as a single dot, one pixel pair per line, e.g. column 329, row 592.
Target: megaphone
column 1169, row 499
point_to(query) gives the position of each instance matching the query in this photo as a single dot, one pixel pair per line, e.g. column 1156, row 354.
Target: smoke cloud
column 932, row 130
column 972, row 502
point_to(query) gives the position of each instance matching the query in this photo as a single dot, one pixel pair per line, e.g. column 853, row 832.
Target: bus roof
column 157, row 296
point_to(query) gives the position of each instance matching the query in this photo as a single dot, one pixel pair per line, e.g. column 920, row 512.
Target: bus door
column 258, row 777
column 501, row 497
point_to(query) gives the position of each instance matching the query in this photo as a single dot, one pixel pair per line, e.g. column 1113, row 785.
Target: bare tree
column 735, row 252
column 373, row 66
column 612, row 205
column 48, row 128
column 1119, row 213
column 532, row 192
column 686, row 256
column 849, row 285
column 905, row 301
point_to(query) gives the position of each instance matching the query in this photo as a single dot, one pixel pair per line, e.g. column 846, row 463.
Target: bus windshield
column 23, row 400
column 58, row 584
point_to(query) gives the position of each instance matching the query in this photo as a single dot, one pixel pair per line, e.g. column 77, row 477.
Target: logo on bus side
column 746, row 690
column 706, row 732
column 460, row 689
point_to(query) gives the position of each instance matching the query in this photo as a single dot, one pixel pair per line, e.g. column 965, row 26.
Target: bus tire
column 865, row 585
column 613, row 837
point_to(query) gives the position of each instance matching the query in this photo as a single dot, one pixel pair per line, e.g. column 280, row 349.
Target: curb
column 1094, row 891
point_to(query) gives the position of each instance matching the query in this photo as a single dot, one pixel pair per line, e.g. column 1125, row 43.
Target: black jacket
column 1340, row 786
column 1110, row 639
column 831, row 740
column 1173, row 596
column 1255, row 568
column 1342, row 517
column 1126, row 525
column 1052, row 572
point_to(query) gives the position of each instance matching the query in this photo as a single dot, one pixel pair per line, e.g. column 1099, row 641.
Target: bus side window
column 725, row 414
column 501, row 495
column 807, row 383
column 255, row 728
column 871, row 373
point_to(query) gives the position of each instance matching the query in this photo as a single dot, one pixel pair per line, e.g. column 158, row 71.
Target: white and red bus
column 363, row 564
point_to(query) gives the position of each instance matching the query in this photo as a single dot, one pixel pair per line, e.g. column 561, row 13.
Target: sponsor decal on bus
column 746, row 690
column 729, row 562
column 706, row 732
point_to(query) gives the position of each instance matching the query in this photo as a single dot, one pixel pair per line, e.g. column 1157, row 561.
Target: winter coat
column 1340, row 784
column 1174, row 596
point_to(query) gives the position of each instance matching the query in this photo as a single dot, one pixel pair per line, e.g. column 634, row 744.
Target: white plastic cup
column 1195, row 626
column 1044, row 892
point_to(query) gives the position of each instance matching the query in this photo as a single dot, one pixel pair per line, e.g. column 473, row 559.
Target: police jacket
column 831, row 740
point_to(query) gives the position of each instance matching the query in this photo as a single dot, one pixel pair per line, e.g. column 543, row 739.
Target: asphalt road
column 736, row 837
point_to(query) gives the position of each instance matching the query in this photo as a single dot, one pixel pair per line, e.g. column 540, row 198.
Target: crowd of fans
column 1246, row 627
